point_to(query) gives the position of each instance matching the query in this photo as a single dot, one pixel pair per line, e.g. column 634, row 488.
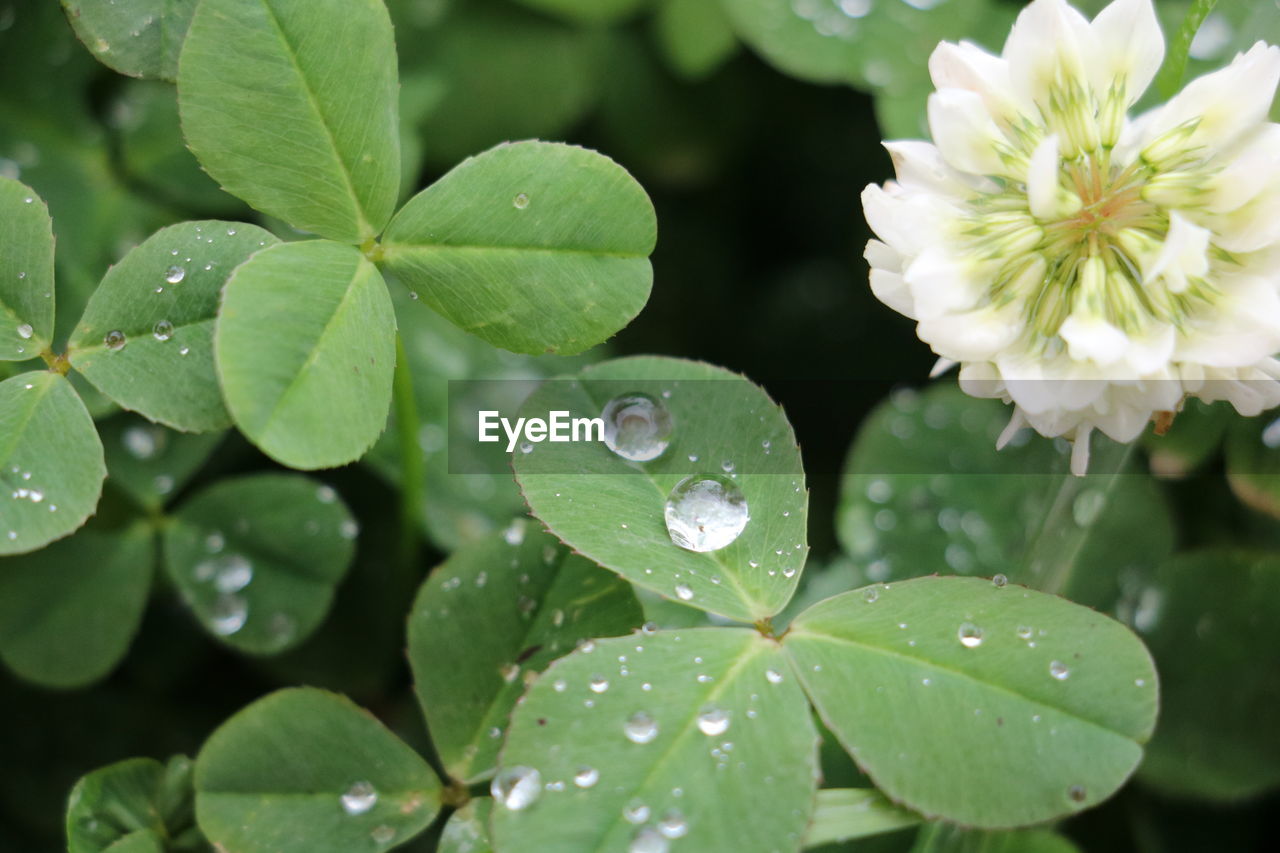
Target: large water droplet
column 359, row 798
column 1059, row 670
column 706, row 512
column 234, row 574
column 640, row 728
column 970, row 635
column 115, row 340
column 163, row 331
column 175, row 275
column 684, row 592
column 25, row 332
column 517, row 787
column 713, row 722
column 636, row 427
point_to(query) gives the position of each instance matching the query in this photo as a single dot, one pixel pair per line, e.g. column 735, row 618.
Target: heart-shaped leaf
column 305, row 348
column 51, row 463
column 499, row 611
column 941, row 688
column 258, row 558
column 292, row 105
column 303, row 771
column 141, row 38
column 725, row 432
column 69, row 612
column 659, row 736
column 533, row 247
column 26, row 272
column 146, row 337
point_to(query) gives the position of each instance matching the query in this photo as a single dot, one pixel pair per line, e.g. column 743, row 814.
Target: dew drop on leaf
column 163, row 331
column 1059, row 670
column 706, row 512
column 640, row 728
column 359, row 798
column 175, row 274
column 713, row 722
column 517, row 787
column 636, row 427
column 115, row 340
column 586, row 777
column 970, row 635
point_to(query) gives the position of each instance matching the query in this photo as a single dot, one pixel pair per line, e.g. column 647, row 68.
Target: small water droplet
column 1076, row 793
column 233, row 574
column 229, row 614
column 684, row 592
column 25, row 332
column 359, row 798
column 970, row 635
column 175, row 274
column 636, row 427
column 586, row 777
column 648, row 840
column 163, row 331
column 713, row 721
column 516, row 787
column 598, row 684
column 1087, row 506
column 1059, row 670
column 870, row 595
column 673, row 825
column 1025, row 631
column 706, row 513
column 773, row 676
column 115, row 340
column 635, row 812
column 383, row 834
column 640, row 728
column 521, row 201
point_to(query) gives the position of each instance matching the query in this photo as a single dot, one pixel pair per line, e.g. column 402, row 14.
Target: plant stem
column 412, row 464
column 1068, row 524
column 1175, row 62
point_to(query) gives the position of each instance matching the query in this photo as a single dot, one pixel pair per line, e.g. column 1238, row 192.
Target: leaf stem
column 57, row 363
column 1175, row 62
column 412, row 464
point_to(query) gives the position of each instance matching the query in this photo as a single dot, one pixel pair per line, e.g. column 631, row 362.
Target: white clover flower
column 1091, row 268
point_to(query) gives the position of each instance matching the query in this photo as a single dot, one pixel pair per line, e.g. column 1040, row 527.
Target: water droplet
column 514, row 533
column 233, row 574
column 348, row 529
column 25, row 332
column 1076, row 793
column 673, row 825
column 648, row 840
column 229, row 614
column 115, row 340
column 713, row 722
column 636, row 427
column 870, row 595
column 635, row 812
column 383, row 834
column 773, row 676
column 598, row 684
column 521, row 201
column 1059, row 670
column 684, row 592
column 359, row 798
column 517, row 787
column 1025, row 631
column 640, row 728
column 999, row 581
column 141, row 442
column 175, row 275
column 586, row 777
column 706, row 513
column 163, row 331
column 970, row 635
